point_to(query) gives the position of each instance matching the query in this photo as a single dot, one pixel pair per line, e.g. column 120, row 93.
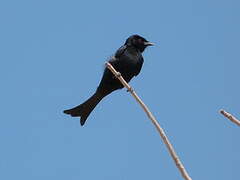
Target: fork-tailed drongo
column 128, row 60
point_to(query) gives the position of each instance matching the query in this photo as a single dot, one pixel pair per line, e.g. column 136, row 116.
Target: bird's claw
column 130, row 90
column 118, row 74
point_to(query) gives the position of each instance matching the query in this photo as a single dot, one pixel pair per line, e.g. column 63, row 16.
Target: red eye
column 140, row 40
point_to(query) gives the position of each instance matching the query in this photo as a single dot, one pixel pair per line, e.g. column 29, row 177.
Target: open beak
column 148, row 44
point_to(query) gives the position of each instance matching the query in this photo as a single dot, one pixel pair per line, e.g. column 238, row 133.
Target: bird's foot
column 130, row 90
column 118, row 74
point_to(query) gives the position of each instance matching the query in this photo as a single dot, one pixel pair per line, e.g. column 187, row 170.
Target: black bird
column 128, row 60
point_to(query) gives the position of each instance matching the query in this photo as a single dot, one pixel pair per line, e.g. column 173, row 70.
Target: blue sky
column 52, row 58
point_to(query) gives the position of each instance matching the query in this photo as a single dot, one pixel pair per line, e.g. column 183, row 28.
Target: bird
column 128, row 61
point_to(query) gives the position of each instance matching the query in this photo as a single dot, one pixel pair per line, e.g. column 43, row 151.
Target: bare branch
column 230, row 117
column 154, row 121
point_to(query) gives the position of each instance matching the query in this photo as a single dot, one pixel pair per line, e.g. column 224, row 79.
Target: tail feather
column 83, row 110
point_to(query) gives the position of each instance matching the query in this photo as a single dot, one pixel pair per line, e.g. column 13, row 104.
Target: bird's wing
column 120, row 51
column 114, row 61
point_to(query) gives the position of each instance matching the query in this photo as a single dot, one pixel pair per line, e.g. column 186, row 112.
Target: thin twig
column 154, row 121
column 230, row 117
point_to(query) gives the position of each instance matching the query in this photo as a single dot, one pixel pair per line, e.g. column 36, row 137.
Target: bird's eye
column 140, row 41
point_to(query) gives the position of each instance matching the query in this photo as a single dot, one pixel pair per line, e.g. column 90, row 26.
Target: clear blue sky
column 52, row 57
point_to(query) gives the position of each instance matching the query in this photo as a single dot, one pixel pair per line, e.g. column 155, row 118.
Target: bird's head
column 138, row 42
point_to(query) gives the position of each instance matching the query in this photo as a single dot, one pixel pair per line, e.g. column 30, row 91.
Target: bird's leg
column 118, row 74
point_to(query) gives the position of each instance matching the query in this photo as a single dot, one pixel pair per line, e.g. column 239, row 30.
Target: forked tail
column 83, row 110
